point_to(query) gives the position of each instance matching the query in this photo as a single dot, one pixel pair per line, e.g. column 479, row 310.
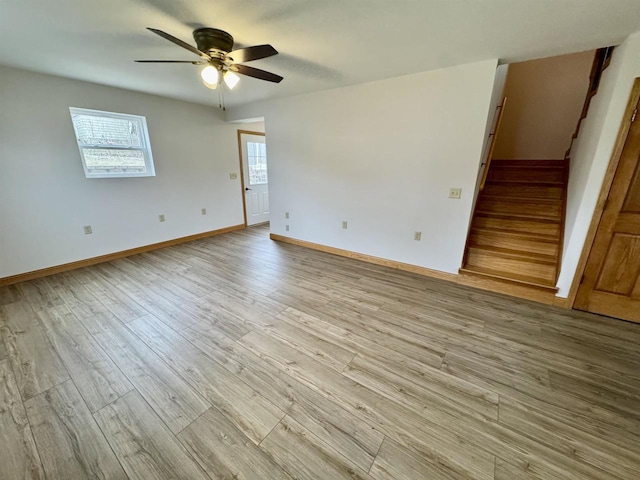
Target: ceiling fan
column 215, row 49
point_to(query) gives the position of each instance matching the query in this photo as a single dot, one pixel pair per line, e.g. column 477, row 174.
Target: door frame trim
column 621, row 139
column 244, row 200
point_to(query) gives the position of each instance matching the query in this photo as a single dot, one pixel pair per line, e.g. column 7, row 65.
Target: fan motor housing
column 213, row 39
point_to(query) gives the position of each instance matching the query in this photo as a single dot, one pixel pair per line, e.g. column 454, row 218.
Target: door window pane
column 257, row 159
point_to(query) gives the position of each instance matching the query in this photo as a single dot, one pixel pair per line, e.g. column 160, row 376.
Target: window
column 112, row 144
column 257, row 156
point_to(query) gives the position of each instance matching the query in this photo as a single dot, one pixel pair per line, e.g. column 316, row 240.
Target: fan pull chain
column 221, row 98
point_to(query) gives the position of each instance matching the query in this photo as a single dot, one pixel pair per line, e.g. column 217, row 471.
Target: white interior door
column 256, row 180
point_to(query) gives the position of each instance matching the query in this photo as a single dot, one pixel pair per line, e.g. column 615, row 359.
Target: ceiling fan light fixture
column 221, row 62
column 210, row 76
column 231, row 79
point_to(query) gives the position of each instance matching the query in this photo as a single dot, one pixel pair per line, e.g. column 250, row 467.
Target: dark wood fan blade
column 179, row 42
column 170, row 61
column 248, row 54
column 256, row 73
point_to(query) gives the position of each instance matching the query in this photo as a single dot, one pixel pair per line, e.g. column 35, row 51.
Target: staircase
column 517, row 228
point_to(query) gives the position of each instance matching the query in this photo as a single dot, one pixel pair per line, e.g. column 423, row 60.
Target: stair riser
column 523, row 191
column 521, row 244
column 508, row 265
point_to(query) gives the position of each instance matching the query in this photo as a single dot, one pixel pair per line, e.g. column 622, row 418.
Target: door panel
column 622, row 261
column 632, row 202
column 255, row 177
column 255, row 209
column 611, row 282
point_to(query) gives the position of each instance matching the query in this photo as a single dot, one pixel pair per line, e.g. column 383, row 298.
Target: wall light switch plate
column 286, row 214
column 161, row 217
column 286, row 227
column 203, row 211
column 233, row 176
column 455, row 193
column 88, row 230
column 344, row 224
column 417, row 236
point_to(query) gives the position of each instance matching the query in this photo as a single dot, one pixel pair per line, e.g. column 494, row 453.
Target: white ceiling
column 322, row 43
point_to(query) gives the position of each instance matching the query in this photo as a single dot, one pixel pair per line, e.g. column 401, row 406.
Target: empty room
column 320, row 240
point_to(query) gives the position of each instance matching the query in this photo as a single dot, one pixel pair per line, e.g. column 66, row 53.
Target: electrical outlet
column 455, row 193
column 233, row 176
column 161, row 217
column 417, row 236
column 87, row 230
column 286, row 227
column 203, row 211
column 344, row 224
column 286, row 214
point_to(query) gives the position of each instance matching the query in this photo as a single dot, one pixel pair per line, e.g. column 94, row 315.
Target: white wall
column 545, row 99
column 381, row 156
column 251, row 127
column 45, row 200
column 592, row 152
column 496, row 100
column 497, row 94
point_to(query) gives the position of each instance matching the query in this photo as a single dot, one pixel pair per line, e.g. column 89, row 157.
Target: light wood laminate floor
column 236, row 357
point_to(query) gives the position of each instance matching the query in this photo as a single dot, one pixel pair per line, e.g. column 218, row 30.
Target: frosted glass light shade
column 231, row 79
column 210, row 76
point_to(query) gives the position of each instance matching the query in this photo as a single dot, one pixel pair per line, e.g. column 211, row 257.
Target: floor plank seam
column 272, row 429
column 107, row 439
column 193, row 421
column 35, row 444
column 349, row 363
column 46, row 390
column 384, row 437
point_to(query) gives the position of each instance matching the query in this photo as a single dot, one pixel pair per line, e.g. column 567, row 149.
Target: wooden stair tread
column 520, row 199
column 519, row 216
column 524, row 191
column 530, row 183
column 537, row 237
column 529, row 163
column 511, row 278
column 509, row 216
column 516, row 254
column 510, row 265
column 528, row 167
column 521, row 181
column 535, row 227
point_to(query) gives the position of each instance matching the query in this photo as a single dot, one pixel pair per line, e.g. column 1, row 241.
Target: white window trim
column 145, row 148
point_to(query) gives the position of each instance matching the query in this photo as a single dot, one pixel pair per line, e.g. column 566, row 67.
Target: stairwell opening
column 516, row 233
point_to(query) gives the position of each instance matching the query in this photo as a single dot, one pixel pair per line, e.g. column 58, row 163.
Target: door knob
column 247, row 188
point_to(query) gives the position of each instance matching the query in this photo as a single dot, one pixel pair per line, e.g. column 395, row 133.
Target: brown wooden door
column 611, row 282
